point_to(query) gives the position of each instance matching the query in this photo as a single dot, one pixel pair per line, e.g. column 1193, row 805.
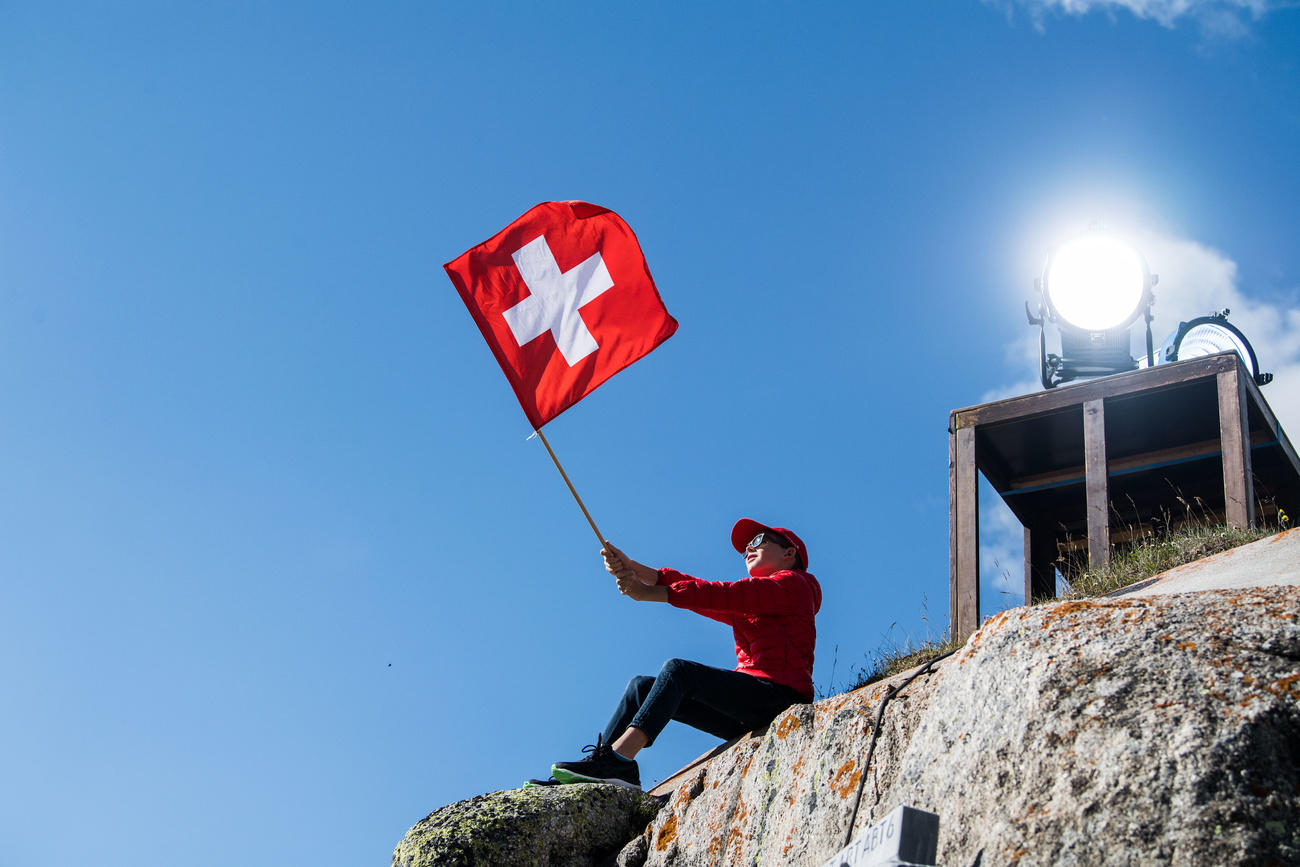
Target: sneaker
column 602, row 766
column 535, row 784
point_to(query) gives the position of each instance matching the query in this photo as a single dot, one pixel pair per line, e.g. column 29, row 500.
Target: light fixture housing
column 1207, row 335
column 1093, row 289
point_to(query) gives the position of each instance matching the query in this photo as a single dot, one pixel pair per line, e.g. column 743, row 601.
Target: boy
column 772, row 615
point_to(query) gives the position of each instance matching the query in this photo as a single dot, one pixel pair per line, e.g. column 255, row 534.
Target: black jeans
column 723, row 703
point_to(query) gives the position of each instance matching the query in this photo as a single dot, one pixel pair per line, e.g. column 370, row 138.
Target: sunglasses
column 774, row 538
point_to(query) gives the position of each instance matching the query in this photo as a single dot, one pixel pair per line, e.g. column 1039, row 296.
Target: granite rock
column 1155, row 730
column 576, row 825
column 1151, row 730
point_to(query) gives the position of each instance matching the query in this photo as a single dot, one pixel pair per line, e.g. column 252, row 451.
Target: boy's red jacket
column 772, row 618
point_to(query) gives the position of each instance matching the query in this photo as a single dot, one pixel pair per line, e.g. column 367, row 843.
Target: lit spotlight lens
column 1096, row 283
column 1210, row 335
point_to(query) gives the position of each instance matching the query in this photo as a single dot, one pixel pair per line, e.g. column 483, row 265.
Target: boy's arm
column 635, row 580
column 785, row 592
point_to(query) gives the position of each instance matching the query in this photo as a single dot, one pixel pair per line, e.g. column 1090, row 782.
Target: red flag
column 565, row 299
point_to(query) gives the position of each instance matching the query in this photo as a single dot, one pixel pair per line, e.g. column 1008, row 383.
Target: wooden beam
column 1040, row 564
column 964, row 541
column 1238, row 483
column 952, row 529
column 1052, row 400
column 1094, row 450
column 1202, row 449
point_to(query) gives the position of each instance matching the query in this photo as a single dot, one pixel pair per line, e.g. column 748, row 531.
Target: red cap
column 748, row 528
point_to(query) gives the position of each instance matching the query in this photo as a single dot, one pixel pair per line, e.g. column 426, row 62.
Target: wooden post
column 572, row 489
column 1234, row 427
column 952, row 527
column 1040, row 564
column 964, row 539
column 1094, row 462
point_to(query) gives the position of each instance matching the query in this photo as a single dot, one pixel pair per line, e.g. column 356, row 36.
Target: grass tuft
column 1128, row 565
column 896, row 659
column 1154, row 556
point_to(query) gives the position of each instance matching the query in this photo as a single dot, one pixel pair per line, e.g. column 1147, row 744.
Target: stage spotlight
column 1093, row 288
column 1206, row 335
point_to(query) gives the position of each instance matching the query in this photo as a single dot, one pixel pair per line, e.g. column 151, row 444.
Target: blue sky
column 280, row 571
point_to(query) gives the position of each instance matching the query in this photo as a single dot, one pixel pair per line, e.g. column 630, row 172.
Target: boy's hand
column 634, row 588
column 615, row 561
column 635, row 580
column 631, row 586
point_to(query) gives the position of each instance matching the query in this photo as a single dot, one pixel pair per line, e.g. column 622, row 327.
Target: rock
column 786, row 796
column 1162, row 729
column 560, row 825
column 1153, row 730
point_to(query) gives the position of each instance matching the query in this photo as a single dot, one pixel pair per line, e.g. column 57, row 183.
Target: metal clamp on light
column 1093, row 289
column 1207, row 335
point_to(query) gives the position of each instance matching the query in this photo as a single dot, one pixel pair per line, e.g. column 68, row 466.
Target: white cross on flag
column 565, row 300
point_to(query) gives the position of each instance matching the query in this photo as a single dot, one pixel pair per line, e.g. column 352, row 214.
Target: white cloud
column 1196, row 280
column 1221, row 18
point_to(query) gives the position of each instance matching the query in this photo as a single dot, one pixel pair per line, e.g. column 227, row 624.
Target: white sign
column 905, row 836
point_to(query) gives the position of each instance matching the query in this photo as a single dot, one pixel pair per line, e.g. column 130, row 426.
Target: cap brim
column 746, row 529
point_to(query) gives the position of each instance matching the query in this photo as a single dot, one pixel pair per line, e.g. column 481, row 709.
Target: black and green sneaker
column 536, row 784
column 602, row 766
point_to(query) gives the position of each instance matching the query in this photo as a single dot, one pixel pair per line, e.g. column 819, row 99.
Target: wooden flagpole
column 572, row 490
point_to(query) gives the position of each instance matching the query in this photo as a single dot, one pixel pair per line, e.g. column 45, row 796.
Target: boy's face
column 767, row 557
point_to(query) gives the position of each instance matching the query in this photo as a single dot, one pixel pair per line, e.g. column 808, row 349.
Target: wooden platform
column 1100, row 461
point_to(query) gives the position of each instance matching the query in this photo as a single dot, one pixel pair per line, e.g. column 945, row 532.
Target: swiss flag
column 565, row 299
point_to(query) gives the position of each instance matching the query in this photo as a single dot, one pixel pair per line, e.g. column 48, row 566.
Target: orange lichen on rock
column 715, row 848
column 995, row 622
column 1289, row 685
column 733, row 835
column 742, row 812
column 1035, row 809
column 667, row 833
column 1065, row 609
column 846, row 778
column 787, row 725
column 832, row 705
column 690, row 790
